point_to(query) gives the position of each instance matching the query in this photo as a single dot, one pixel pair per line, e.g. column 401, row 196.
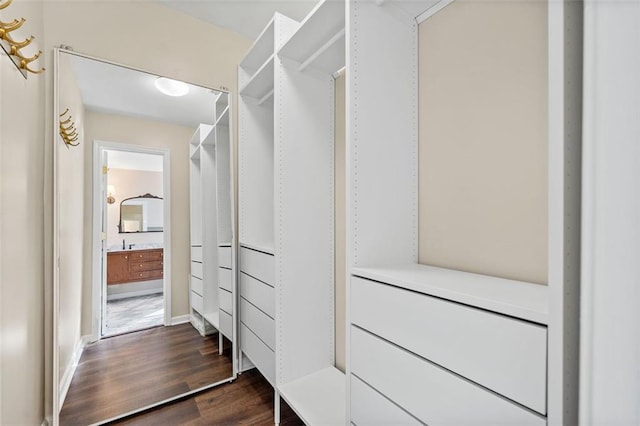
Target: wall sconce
column 12, row 47
column 111, row 190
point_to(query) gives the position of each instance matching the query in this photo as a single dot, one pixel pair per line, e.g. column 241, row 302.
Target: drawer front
column 259, row 353
column 368, row 407
column 196, row 253
column 226, row 301
column 145, row 275
column 226, row 325
column 196, row 285
column 506, row 355
column 259, row 265
column 196, row 269
column 224, row 257
column 154, row 265
column 197, row 303
column 430, row 393
column 258, row 322
column 225, row 279
column 258, row 293
column 146, row 255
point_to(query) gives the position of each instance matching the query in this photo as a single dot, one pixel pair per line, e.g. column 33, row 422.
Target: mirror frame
column 55, row 307
column 147, row 196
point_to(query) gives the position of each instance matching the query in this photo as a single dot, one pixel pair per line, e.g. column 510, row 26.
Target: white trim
column 127, row 295
column 97, row 284
column 71, row 369
column 55, row 308
column 180, row 319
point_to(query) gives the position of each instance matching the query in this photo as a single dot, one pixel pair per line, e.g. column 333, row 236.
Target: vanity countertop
column 114, row 249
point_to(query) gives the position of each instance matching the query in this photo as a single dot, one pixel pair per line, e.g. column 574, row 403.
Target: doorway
column 131, row 225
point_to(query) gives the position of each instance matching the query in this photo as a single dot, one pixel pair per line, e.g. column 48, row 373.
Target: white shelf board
column 264, row 248
column 213, row 318
column 195, row 155
column 261, row 84
column 222, row 102
column 518, row 299
column 223, row 119
column 209, row 138
column 261, row 49
column 319, row 41
column 416, row 8
column 319, row 398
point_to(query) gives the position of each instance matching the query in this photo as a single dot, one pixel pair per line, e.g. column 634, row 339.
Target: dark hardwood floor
column 124, row 373
column 246, row 401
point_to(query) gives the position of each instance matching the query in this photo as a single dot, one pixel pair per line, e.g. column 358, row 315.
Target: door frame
column 98, row 285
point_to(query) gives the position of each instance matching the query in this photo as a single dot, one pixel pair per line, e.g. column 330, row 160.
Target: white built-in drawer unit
column 429, row 392
column 257, row 321
column 259, row 294
column 225, row 278
column 224, row 257
column 258, row 264
column 197, row 303
column 259, row 353
column 196, row 269
column 196, row 253
column 226, row 301
column 226, row 324
column 196, row 285
column 369, row 407
column 503, row 354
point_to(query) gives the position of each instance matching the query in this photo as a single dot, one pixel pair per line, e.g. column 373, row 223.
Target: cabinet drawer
column 154, row 265
column 196, row 253
column 259, row 353
column 430, row 393
column 225, row 279
column 145, row 275
column 259, row 265
column 197, row 303
column 226, row 301
column 368, row 407
column 258, row 293
column 196, row 285
column 506, row 355
column 196, row 269
column 146, row 255
column 226, row 325
column 224, row 257
column 258, row 322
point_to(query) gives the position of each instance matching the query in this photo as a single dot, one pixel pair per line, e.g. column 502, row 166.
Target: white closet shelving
column 287, row 211
column 397, row 304
column 211, row 207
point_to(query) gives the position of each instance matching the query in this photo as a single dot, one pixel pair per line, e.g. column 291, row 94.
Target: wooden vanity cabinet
column 134, row 265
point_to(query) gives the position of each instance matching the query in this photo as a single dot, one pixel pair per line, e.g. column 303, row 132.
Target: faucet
column 124, row 246
column 131, row 245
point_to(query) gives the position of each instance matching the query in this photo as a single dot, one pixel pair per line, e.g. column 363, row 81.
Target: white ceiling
column 113, row 89
column 134, row 161
column 246, row 17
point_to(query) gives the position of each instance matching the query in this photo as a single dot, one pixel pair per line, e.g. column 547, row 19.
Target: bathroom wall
column 22, row 177
column 151, row 37
column 131, row 183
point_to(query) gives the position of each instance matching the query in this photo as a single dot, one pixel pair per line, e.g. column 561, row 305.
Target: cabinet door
column 117, row 268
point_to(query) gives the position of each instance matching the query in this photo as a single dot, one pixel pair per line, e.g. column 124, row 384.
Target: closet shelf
column 267, row 249
column 319, row 42
column 195, row 153
column 209, row 139
column 261, row 84
column 222, row 103
column 518, row 299
column 213, row 318
column 223, row 118
column 319, row 398
column 261, row 49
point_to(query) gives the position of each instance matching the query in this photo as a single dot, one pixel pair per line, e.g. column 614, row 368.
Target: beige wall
column 153, row 134
column 340, row 223
column 22, row 272
column 131, row 183
column 71, row 184
column 483, row 139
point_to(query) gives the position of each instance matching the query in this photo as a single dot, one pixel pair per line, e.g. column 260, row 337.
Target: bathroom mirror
column 141, row 214
column 136, row 213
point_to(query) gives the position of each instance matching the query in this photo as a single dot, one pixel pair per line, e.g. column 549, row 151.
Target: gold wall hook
column 65, row 111
column 24, row 65
column 66, row 128
column 8, row 24
column 16, row 46
column 5, row 30
column 5, row 4
column 65, row 121
column 28, row 60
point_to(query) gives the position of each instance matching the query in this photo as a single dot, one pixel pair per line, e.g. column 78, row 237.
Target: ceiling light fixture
column 171, row 87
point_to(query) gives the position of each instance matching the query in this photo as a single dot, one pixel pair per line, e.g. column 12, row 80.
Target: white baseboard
column 182, row 319
column 129, row 294
column 65, row 381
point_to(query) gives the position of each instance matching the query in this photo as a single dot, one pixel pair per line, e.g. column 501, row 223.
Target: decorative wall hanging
column 68, row 130
column 13, row 47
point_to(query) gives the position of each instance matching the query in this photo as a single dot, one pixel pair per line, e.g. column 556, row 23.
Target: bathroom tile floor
column 134, row 313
